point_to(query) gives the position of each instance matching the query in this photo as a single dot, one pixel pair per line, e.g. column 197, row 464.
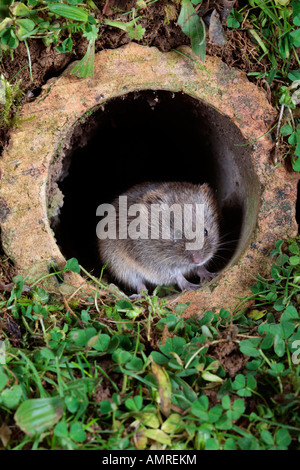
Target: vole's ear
column 208, row 189
column 208, row 194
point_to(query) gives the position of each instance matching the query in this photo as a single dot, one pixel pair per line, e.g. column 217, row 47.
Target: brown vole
column 143, row 252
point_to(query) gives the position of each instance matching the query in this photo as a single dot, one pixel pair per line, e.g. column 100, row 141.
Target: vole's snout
column 197, row 257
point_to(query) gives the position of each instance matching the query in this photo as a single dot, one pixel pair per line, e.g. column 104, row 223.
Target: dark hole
column 59, row 277
column 147, row 136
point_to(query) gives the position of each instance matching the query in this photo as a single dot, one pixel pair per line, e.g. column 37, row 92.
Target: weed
column 289, row 123
column 57, row 22
column 193, row 26
column 234, row 19
column 38, row 19
column 10, row 102
column 273, row 27
column 283, row 286
column 119, row 374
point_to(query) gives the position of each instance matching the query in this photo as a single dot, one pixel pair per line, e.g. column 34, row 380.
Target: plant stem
column 29, row 59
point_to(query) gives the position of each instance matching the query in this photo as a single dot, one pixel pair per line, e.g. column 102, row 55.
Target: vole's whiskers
column 219, row 257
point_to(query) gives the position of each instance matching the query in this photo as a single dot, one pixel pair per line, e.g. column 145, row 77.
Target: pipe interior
column 153, row 136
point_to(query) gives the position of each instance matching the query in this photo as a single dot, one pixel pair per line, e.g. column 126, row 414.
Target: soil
column 48, row 63
column 227, row 353
column 161, row 31
column 165, row 34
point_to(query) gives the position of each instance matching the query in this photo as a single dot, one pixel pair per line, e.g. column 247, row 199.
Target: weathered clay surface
column 26, row 234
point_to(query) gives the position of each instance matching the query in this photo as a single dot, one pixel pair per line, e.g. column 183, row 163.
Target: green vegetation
column 126, row 375
column 193, row 26
column 48, row 21
column 274, row 27
column 51, row 21
column 10, row 102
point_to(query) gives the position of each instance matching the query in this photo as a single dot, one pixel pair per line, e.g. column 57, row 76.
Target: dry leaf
column 5, row 434
column 227, row 7
column 140, row 439
column 158, row 435
column 164, row 388
column 216, row 32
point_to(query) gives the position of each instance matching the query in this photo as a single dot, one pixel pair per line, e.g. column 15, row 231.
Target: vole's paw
column 142, row 291
column 138, row 296
column 207, row 278
column 204, row 275
column 191, row 286
column 183, row 284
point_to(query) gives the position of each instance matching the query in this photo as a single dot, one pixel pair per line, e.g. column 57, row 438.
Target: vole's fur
column 137, row 262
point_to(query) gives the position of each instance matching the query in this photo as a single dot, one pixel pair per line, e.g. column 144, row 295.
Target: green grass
column 11, row 97
column 117, row 374
column 56, row 22
column 51, row 22
column 273, row 26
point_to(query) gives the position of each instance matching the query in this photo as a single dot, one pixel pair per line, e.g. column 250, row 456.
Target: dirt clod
column 228, row 354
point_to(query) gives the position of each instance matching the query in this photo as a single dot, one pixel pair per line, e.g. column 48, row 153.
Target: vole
column 144, row 251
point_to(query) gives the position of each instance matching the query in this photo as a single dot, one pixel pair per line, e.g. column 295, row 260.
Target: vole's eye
column 205, row 232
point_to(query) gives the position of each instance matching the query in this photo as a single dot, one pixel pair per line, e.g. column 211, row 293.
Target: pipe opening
column 151, row 136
